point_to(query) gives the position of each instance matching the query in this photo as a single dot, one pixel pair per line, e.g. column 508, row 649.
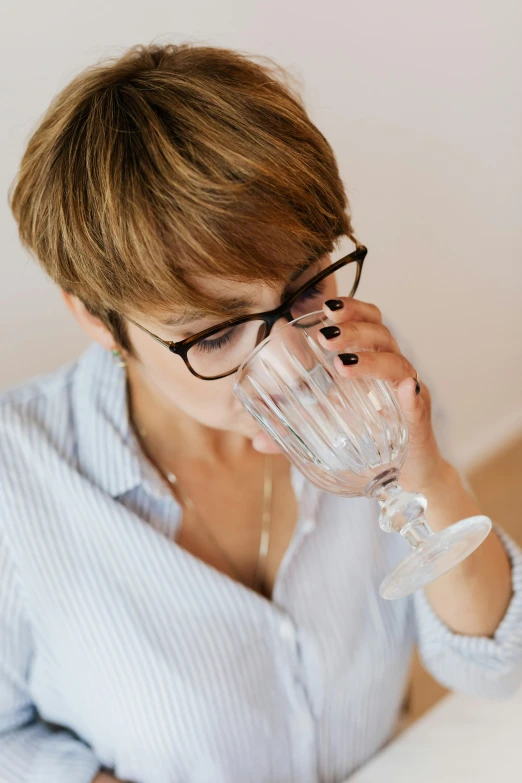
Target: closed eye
column 313, row 291
column 218, row 341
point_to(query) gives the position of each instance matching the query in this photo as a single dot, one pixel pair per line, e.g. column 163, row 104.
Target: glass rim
column 242, row 367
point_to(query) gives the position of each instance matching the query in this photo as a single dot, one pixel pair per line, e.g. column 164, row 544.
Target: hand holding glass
column 350, row 438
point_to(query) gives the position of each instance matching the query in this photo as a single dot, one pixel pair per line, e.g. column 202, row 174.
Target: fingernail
column 330, row 332
column 334, row 304
column 417, row 388
column 348, row 358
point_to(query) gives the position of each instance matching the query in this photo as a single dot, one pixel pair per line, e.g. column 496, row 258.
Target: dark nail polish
column 330, row 332
column 348, row 358
column 334, row 304
column 417, row 388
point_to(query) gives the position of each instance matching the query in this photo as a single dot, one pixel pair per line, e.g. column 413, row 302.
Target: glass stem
column 402, row 512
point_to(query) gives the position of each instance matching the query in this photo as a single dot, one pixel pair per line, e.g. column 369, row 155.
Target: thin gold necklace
column 266, row 517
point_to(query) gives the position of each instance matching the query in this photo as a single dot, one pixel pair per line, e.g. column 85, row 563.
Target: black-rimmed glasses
column 220, row 350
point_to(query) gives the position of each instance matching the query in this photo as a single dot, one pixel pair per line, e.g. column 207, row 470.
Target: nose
column 282, row 321
column 285, row 346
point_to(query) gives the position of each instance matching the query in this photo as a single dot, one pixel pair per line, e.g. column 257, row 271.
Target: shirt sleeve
column 480, row 666
column 30, row 751
column 476, row 665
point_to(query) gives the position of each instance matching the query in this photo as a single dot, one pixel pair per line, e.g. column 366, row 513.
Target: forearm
column 473, row 597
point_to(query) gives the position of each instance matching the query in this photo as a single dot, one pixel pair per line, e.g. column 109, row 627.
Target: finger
column 264, row 444
column 411, row 403
column 416, row 412
column 351, row 310
column 384, row 366
column 358, row 336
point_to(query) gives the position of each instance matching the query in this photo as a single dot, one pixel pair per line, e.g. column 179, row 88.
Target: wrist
column 448, row 499
column 440, row 475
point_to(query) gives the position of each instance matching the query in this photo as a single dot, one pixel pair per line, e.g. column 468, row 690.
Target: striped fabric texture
column 119, row 649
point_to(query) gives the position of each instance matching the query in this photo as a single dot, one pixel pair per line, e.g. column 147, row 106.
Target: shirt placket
column 302, row 721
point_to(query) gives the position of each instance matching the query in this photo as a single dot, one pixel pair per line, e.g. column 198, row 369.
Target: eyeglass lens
column 225, row 351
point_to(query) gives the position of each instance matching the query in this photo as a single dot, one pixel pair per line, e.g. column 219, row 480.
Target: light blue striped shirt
column 119, row 648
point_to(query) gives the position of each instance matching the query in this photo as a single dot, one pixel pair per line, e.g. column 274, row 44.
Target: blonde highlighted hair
column 171, row 162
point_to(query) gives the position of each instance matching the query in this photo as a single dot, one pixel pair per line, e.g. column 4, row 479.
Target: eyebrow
column 231, row 307
column 302, row 268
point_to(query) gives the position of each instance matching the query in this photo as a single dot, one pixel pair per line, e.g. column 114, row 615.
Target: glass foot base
column 434, row 556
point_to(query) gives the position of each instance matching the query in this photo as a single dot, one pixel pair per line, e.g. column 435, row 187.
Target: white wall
column 421, row 101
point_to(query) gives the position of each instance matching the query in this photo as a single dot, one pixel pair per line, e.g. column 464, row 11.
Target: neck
column 165, row 427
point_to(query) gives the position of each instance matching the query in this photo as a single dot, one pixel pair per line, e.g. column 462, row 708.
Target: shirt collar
column 109, row 453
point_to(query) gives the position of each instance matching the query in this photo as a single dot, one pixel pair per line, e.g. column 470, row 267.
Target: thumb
column 414, row 409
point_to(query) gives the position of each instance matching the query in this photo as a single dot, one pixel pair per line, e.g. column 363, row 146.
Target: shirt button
column 307, row 526
column 286, row 628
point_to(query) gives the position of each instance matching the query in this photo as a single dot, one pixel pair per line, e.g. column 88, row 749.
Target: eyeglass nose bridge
column 274, row 317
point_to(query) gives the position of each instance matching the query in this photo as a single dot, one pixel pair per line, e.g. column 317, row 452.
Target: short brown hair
column 171, row 161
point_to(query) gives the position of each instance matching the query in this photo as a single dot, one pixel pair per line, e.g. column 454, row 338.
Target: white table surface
column 461, row 739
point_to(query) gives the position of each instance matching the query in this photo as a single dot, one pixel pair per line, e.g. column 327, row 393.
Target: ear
column 91, row 325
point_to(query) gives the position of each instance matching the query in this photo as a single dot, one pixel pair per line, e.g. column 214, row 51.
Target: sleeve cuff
column 498, row 654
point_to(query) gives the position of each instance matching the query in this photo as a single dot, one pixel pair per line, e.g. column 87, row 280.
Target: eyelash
column 208, row 346
column 313, row 291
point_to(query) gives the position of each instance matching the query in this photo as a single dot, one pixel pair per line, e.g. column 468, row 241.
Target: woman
column 144, row 634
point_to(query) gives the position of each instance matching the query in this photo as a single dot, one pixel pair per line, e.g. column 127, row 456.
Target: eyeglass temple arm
column 168, row 344
column 154, row 336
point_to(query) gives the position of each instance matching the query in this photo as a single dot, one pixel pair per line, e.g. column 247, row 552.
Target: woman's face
column 167, row 378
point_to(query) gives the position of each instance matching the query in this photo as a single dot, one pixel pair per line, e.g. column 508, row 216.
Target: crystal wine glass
column 350, row 438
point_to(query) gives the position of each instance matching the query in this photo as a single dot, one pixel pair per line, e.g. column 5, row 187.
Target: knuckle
column 375, row 312
column 386, row 333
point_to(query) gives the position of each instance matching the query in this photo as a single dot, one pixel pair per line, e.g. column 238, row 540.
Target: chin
column 247, row 429
column 245, row 425
column 241, row 423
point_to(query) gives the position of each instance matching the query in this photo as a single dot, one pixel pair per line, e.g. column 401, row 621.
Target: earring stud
column 118, row 358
